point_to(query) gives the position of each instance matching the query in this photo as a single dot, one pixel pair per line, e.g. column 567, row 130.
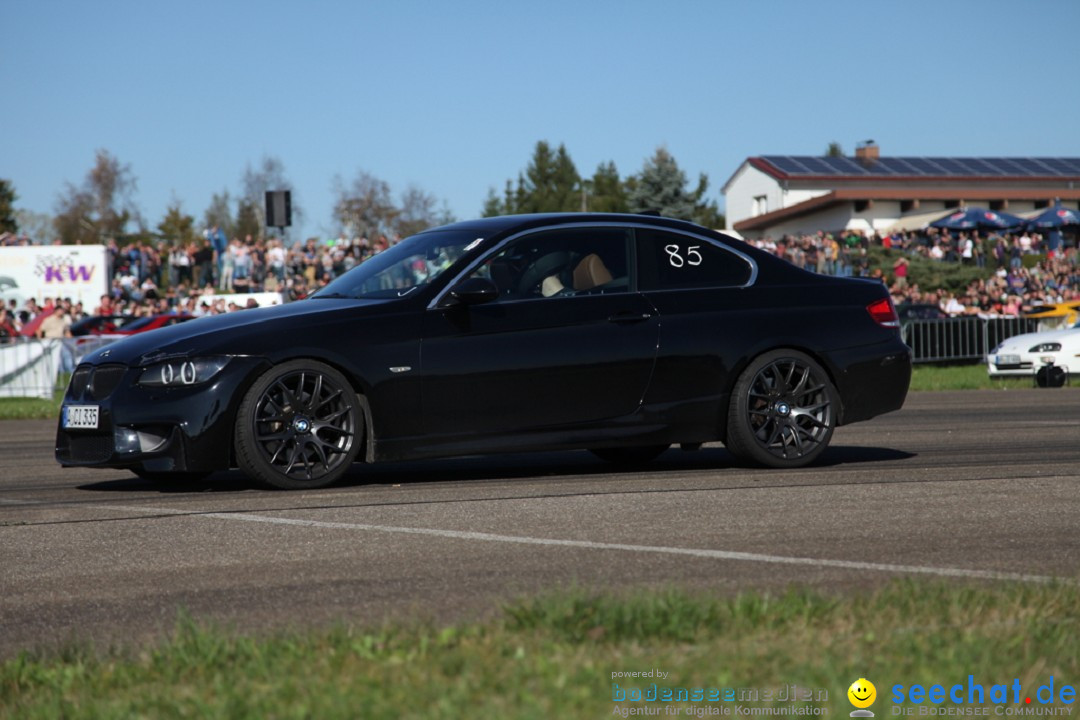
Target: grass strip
column 555, row 655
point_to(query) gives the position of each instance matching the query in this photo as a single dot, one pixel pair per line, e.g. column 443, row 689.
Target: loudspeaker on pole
column 278, row 208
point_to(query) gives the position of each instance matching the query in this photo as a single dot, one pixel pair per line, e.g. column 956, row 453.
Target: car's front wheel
column 782, row 412
column 300, row 426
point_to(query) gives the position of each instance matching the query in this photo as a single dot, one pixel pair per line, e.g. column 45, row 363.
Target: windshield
column 404, row 268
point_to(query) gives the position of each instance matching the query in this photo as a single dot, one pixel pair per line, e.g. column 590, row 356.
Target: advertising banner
column 79, row 272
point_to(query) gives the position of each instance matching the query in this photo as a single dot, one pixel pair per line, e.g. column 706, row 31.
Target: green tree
column 8, row 222
column 510, row 201
column 37, row 226
column 177, row 228
column 101, row 207
column 219, row 214
column 249, row 219
column 493, row 205
column 834, row 150
column 606, row 191
column 706, row 211
column 364, row 206
column 550, row 183
column 661, row 187
column 418, row 213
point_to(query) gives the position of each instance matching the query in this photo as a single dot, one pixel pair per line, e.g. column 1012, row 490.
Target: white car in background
column 1023, row 355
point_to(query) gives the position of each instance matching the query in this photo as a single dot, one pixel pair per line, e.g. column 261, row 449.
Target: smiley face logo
column 862, row 693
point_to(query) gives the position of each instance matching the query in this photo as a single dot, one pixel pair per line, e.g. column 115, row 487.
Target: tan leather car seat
column 591, row 272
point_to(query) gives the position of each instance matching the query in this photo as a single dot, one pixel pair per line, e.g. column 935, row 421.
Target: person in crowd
column 8, row 326
column 56, row 325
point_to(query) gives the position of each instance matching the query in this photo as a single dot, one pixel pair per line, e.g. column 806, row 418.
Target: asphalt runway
column 966, row 486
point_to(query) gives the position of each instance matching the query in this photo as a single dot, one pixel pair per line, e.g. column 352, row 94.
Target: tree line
column 551, row 183
column 102, row 206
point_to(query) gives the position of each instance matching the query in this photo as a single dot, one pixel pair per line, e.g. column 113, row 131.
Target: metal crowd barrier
column 34, row 368
column 30, row 367
column 960, row 338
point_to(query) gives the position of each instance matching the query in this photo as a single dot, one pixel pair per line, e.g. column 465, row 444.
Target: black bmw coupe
column 621, row 334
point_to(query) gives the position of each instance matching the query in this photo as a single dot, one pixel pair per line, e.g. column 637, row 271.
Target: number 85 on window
column 675, row 257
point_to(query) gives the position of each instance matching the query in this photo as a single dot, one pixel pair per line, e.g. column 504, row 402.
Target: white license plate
column 83, row 417
column 1008, row 360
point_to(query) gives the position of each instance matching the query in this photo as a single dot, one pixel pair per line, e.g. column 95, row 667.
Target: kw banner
column 79, row 272
column 28, row 368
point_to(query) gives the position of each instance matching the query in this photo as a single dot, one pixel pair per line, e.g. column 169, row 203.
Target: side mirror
column 474, row 291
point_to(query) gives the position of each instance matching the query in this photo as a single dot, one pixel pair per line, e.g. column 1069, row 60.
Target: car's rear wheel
column 630, row 455
column 782, row 412
column 300, row 426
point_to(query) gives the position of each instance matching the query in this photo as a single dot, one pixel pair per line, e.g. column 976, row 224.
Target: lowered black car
column 622, row 334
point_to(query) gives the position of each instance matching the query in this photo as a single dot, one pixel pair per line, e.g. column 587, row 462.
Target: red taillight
column 884, row 313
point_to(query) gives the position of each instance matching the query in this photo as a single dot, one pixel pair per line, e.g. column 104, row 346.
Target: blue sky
column 453, row 96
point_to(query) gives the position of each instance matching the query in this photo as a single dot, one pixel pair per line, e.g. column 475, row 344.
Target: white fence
column 33, row 368
column 960, row 338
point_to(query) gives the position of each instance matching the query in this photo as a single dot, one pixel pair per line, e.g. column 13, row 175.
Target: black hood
column 242, row 332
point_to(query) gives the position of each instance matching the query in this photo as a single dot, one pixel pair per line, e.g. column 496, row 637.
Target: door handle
column 629, row 317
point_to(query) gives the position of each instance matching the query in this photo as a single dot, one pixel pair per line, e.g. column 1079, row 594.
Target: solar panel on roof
column 905, row 166
column 925, row 166
column 1061, row 166
column 1029, row 166
column 1011, row 167
column 986, row 166
column 1043, row 168
column 852, row 166
column 888, row 166
column 829, row 165
column 952, row 166
column 798, row 165
column 786, row 164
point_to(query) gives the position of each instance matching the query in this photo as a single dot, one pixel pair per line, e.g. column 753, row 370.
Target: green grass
column 553, row 656
column 964, row 377
column 35, row 408
column 28, row 408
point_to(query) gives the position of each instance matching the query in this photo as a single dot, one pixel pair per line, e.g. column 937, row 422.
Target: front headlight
column 181, row 372
column 1046, row 347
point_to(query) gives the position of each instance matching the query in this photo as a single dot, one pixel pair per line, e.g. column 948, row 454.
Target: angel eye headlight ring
column 182, row 372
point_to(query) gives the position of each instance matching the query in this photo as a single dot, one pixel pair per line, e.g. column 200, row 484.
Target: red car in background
column 101, row 324
column 153, row 322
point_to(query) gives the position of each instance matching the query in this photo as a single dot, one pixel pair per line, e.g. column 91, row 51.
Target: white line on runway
column 583, row 544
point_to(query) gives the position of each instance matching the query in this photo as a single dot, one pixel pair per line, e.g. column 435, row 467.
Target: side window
column 560, row 263
column 670, row 261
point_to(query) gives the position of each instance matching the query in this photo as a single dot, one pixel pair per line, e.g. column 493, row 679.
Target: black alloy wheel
column 299, row 426
column 782, row 412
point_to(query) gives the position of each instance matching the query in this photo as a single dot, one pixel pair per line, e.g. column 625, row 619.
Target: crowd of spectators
column 1051, row 273
column 156, row 278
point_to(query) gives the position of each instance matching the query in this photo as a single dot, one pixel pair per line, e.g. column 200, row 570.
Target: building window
column 761, row 205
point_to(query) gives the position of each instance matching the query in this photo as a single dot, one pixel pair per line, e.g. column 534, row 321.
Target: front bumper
column 1024, row 364
column 184, row 429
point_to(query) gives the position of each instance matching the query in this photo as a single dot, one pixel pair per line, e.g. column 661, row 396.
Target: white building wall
column 750, row 193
